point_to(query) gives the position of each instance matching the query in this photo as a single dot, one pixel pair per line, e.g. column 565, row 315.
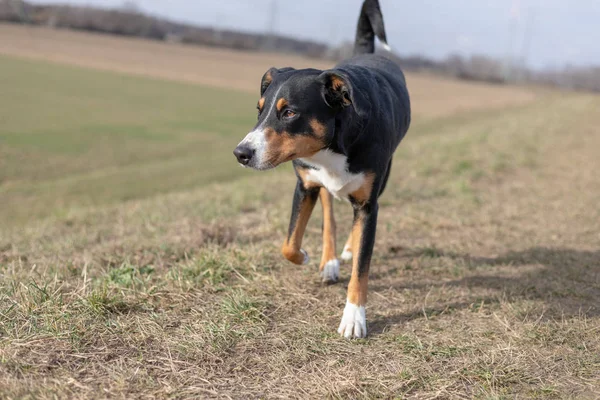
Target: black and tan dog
column 340, row 128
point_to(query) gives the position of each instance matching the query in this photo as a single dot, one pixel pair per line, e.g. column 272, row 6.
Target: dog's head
column 296, row 116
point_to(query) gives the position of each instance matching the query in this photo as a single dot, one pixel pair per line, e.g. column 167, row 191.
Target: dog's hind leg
column 330, row 265
column 347, row 252
column 302, row 207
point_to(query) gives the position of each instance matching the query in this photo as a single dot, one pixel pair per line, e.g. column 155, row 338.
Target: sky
column 543, row 33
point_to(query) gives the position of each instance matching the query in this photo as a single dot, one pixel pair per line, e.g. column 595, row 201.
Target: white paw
column 331, row 271
column 354, row 322
column 346, row 255
column 306, row 257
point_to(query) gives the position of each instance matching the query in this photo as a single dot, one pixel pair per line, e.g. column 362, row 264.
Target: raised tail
column 370, row 24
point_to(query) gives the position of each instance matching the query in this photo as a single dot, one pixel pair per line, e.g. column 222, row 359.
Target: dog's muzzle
column 250, row 152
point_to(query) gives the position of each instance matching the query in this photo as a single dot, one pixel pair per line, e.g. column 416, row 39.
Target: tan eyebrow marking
column 281, row 103
column 261, row 103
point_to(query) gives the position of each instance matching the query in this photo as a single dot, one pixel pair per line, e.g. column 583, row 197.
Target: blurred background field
column 137, row 259
column 89, row 130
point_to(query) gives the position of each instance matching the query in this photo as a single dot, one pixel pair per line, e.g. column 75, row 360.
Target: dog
column 340, row 128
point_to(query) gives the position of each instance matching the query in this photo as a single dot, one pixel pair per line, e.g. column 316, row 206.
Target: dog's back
column 383, row 96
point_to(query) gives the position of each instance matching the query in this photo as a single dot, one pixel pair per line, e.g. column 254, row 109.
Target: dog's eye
column 289, row 114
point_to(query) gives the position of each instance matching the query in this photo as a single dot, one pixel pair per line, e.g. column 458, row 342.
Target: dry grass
column 431, row 96
column 485, row 281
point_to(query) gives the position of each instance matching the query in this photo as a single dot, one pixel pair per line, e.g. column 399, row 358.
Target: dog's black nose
column 243, row 154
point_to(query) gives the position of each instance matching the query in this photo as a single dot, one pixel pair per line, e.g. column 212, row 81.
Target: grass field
column 73, row 136
column 137, row 260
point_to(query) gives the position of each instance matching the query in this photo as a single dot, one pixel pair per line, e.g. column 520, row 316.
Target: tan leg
column 357, row 287
column 354, row 322
column 304, row 202
column 330, row 265
column 347, row 252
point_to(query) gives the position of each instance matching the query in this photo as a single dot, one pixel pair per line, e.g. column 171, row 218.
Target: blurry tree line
column 483, row 68
column 488, row 69
column 129, row 21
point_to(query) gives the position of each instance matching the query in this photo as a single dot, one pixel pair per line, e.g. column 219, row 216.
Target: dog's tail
column 370, row 23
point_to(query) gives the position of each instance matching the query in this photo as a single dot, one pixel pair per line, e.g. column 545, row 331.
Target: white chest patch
column 332, row 173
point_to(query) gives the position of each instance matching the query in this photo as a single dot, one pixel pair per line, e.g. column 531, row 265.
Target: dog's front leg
column 302, row 207
column 354, row 323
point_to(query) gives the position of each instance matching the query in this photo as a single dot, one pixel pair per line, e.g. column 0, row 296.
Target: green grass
column 71, row 137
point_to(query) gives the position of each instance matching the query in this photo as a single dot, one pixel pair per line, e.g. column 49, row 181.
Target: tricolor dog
column 340, row 128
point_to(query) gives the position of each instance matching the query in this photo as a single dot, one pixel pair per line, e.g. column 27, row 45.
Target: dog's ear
column 269, row 76
column 267, row 79
column 339, row 93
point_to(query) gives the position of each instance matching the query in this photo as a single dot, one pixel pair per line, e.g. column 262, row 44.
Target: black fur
column 372, row 128
column 370, row 24
column 363, row 107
